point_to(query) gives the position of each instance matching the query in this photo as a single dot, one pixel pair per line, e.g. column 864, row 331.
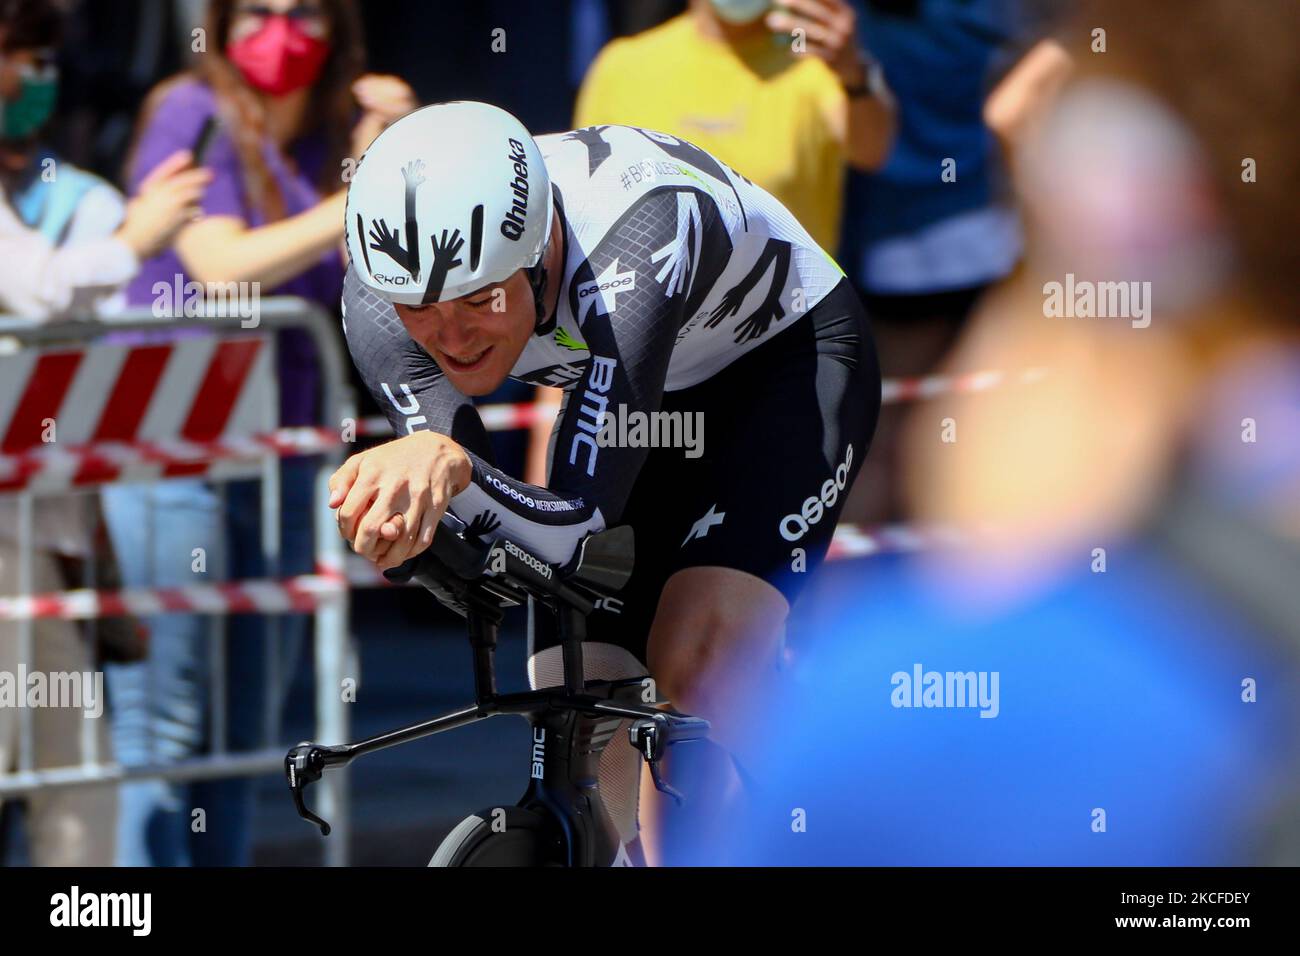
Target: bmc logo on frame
column 795, row 526
column 539, row 753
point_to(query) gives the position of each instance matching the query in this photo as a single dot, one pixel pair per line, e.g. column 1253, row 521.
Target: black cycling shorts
column 785, row 429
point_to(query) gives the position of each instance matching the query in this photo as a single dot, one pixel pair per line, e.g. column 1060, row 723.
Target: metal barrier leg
column 333, row 658
column 218, row 650
column 273, row 567
column 26, row 649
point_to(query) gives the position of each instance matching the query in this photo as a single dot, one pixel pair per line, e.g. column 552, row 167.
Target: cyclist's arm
column 415, row 396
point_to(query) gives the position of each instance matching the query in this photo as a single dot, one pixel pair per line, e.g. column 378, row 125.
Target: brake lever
column 647, row 736
column 303, row 766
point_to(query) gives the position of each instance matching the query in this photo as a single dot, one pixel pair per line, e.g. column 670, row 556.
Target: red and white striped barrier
column 128, row 412
column 50, row 467
column 307, row 592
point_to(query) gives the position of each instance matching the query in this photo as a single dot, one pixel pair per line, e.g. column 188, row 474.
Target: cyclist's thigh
column 786, row 429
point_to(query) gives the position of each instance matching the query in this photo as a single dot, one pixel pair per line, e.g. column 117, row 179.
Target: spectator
column 281, row 80
column 928, row 233
column 723, row 75
column 1135, row 589
column 69, row 244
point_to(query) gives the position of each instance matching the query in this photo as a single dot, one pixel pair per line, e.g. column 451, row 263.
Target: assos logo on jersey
column 795, row 526
column 625, row 282
column 605, row 288
column 506, row 489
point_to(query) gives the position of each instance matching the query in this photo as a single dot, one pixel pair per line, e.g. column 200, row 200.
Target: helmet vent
column 475, row 237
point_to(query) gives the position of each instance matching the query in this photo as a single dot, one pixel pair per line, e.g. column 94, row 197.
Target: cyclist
column 641, row 275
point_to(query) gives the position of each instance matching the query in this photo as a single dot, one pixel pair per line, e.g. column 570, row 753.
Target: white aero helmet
column 448, row 199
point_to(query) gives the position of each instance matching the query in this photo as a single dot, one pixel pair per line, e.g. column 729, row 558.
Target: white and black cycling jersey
column 674, row 267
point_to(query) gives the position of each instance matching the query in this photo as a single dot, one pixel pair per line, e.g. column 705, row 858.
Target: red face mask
column 279, row 58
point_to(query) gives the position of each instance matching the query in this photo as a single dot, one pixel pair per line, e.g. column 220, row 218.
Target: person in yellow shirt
column 781, row 93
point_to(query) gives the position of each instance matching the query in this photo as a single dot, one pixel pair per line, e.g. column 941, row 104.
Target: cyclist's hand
column 390, row 498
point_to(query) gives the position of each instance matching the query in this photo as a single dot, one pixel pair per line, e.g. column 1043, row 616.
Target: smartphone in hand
column 206, row 135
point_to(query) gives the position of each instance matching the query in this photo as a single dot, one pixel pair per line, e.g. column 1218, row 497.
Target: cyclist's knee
column 715, row 629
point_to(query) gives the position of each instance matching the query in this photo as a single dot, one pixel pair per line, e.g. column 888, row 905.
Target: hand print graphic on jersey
column 680, row 255
column 760, row 320
column 484, row 523
column 597, row 149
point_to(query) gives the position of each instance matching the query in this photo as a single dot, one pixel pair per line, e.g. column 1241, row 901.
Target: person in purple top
column 282, row 80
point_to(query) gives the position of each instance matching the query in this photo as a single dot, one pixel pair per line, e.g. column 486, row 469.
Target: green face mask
column 25, row 115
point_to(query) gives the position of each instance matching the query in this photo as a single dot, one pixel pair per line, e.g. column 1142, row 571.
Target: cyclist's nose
column 456, row 328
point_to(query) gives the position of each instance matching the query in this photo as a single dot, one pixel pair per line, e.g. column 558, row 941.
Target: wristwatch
column 872, row 82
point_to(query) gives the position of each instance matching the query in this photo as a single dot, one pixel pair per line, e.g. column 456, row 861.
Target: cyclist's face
column 477, row 338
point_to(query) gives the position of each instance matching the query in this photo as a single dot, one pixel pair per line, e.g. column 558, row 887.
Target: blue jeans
column 161, row 705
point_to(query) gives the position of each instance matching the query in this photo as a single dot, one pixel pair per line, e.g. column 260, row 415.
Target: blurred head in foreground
column 1106, row 673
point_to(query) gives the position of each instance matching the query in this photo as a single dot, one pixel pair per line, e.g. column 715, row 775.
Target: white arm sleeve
column 87, row 272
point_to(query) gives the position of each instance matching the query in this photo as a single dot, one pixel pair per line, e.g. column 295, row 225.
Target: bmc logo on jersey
column 795, row 526
column 624, row 283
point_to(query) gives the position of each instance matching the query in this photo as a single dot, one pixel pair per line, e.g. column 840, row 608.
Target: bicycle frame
column 568, row 721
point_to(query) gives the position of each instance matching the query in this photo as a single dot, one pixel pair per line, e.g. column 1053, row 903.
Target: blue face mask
column 740, row 11
column 34, row 105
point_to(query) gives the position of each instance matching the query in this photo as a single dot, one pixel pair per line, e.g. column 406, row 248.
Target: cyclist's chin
column 481, row 377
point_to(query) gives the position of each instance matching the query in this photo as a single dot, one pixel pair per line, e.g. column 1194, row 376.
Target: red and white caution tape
column 58, row 467
column 299, row 594
column 307, row 592
column 895, row 390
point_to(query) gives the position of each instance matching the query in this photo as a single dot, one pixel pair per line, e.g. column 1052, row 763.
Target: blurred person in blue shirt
column 1133, row 519
column 925, row 236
